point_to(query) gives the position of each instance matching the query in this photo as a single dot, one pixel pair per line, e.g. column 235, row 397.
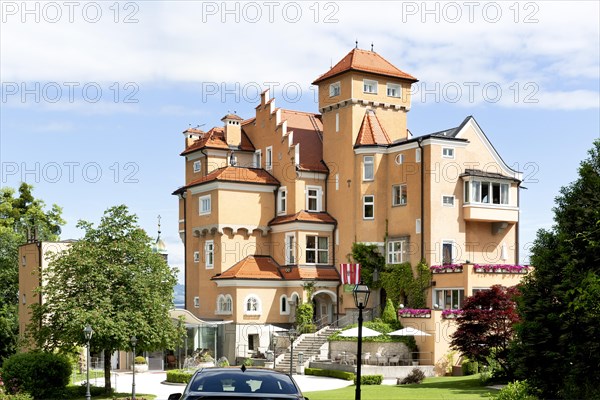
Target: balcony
column 490, row 213
column 480, row 268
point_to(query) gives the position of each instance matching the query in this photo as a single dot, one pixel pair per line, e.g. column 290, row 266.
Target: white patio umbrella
column 408, row 332
column 353, row 332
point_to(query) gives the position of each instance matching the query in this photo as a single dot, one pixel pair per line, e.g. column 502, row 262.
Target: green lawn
column 459, row 388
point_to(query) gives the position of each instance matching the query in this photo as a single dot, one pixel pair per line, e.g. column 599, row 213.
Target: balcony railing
column 481, row 268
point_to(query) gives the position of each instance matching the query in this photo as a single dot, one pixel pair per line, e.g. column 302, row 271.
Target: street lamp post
column 292, row 332
column 87, row 333
column 133, row 343
column 361, row 294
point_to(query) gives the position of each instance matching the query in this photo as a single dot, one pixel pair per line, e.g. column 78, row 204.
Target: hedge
column 370, row 380
column 179, row 376
column 470, row 367
column 18, row 396
column 42, row 375
column 332, row 373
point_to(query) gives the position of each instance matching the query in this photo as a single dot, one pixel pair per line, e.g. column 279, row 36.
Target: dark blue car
column 239, row 383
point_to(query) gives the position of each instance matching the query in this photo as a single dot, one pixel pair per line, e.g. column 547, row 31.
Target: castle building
column 272, row 204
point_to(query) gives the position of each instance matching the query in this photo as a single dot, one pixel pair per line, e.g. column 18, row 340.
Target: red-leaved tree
column 486, row 326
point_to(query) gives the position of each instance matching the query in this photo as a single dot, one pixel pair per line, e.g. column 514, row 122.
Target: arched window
column 224, row 304
column 252, row 305
column 284, row 307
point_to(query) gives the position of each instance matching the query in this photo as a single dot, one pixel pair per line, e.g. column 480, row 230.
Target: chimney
column 233, row 130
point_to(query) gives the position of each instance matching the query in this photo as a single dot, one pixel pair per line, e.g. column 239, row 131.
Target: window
column 337, row 122
column 397, row 251
column 313, row 198
column 503, row 252
column 197, row 166
column 369, row 86
column 24, row 298
column 393, row 90
column 486, row 192
column 337, row 181
column 282, row 200
column 196, row 256
column 334, row 89
column 399, row 196
column 369, row 207
column 317, row 250
column 258, row 159
column 283, row 305
column 368, row 168
column 269, row 160
column 253, row 341
column 400, row 159
column 224, row 304
column 205, row 205
column 447, row 152
column 449, row 299
column 418, row 155
column 252, row 305
column 418, row 225
column 448, row 201
column 209, row 254
column 23, row 260
column 447, row 252
column 196, row 302
column 290, row 248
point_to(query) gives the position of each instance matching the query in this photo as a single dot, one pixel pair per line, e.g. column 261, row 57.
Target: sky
column 95, row 95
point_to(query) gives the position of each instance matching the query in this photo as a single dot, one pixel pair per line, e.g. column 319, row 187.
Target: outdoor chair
column 394, row 360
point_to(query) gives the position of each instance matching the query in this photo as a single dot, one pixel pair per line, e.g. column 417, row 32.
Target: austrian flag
column 350, row 274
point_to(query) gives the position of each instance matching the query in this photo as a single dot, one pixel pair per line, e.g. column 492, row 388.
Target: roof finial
column 356, row 42
column 159, row 217
column 371, row 46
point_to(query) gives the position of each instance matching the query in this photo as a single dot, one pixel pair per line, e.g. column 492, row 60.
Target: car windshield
column 242, row 382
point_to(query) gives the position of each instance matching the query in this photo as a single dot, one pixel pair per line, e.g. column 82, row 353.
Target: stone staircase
column 309, row 344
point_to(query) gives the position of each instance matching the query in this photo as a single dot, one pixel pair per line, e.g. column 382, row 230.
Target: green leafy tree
column 112, row 281
column 22, row 218
column 558, row 346
column 371, row 263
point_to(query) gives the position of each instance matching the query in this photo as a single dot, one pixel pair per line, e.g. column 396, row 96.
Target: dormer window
column 393, row 90
column 369, row 86
column 334, row 89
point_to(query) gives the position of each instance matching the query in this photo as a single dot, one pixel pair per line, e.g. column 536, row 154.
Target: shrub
column 140, row 360
column 370, row 380
column 42, row 375
column 179, row 376
column 304, row 315
column 223, row 362
column 415, row 376
column 517, row 390
column 18, row 396
column 470, row 367
column 248, row 362
column 347, row 376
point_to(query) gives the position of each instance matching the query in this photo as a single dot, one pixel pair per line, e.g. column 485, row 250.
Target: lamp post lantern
column 133, row 343
column 87, row 333
column 361, row 294
column 292, row 332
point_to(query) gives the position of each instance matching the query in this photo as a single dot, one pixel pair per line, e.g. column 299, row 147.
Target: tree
column 22, row 218
column 558, row 346
column 486, row 326
column 112, row 281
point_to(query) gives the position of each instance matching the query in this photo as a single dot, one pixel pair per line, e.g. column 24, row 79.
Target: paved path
column 153, row 383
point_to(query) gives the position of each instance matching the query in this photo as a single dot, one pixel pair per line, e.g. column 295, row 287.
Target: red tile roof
column 365, row 61
column 324, row 273
column 253, row 267
column 237, row 174
column 308, row 131
column 304, row 216
column 371, row 131
column 232, row 116
column 215, row 139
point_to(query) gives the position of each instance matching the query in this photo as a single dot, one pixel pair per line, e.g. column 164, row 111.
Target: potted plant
column 140, row 364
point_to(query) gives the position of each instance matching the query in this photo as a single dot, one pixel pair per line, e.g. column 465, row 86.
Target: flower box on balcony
column 440, row 269
column 414, row 313
column 501, row 268
column 451, row 314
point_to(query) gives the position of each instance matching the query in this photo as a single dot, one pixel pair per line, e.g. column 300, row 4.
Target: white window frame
column 257, row 305
column 472, row 196
column 418, row 225
column 448, row 204
column 318, row 196
column 399, row 187
column 400, row 255
column 396, row 87
column 196, row 256
column 269, row 158
column 209, row 254
column 317, row 250
column 418, row 155
column 337, row 122
column 370, row 86
column 452, row 255
column 454, row 302
column 284, row 306
column 399, row 159
column 258, row 159
column 368, row 160
column 337, row 181
column 196, row 301
column 448, row 152
column 335, row 89
column 368, row 203
column 290, row 251
column 224, row 304
column 282, row 200
column 202, row 209
column 197, row 166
